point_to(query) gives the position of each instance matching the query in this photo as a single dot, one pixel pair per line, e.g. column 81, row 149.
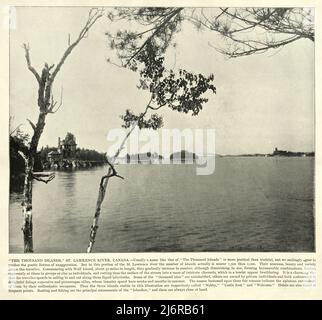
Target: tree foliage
column 249, row 31
column 134, row 46
column 90, row 155
column 181, row 91
column 70, row 138
column 245, row 31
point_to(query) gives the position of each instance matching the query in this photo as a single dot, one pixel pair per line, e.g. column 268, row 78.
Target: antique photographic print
column 161, row 129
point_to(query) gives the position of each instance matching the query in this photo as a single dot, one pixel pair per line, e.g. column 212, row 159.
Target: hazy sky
column 262, row 101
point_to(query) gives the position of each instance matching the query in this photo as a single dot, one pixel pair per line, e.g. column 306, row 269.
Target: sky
column 262, row 101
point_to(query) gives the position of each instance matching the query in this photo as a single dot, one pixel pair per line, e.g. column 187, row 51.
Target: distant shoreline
column 267, row 156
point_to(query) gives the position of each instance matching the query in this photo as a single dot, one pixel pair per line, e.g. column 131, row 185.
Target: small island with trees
column 182, row 156
column 67, row 155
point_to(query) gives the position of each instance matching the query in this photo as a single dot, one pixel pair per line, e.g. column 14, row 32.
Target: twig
column 108, row 60
column 32, row 124
column 53, row 104
column 12, row 132
column 93, row 16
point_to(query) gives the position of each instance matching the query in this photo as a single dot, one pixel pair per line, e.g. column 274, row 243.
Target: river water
column 248, row 204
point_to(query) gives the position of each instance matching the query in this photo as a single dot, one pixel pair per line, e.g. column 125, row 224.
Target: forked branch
column 93, row 16
column 30, row 67
column 110, row 175
column 43, row 176
column 32, row 124
column 53, row 103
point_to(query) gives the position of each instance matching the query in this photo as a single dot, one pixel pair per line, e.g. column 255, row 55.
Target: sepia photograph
column 161, row 129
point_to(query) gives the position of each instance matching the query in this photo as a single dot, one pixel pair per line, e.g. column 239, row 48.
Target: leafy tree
column 90, row 155
column 182, row 92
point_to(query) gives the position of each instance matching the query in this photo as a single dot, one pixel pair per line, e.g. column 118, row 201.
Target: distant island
column 147, row 157
column 183, row 156
column 283, row 153
column 275, row 153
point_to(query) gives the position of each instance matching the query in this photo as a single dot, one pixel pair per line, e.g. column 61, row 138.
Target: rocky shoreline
column 71, row 164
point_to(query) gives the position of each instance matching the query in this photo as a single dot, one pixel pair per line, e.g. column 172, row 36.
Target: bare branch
column 13, row 131
column 30, row 67
column 93, row 16
column 124, row 140
column 253, row 50
column 40, row 175
column 32, row 124
column 112, row 174
column 156, row 108
column 108, row 60
column 53, row 103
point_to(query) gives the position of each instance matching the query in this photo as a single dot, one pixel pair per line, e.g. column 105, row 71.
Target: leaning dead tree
column 180, row 91
column 47, row 105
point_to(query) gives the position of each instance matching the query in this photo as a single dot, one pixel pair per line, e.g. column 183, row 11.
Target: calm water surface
column 248, row 204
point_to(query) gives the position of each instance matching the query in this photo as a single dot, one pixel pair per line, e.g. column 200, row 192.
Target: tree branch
column 13, row 131
column 32, row 124
column 30, row 67
column 93, row 16
column 156, row 30
column 103, row 185
column 40, row 175
column 53, row 103
column 113, row 174
column 255, row 50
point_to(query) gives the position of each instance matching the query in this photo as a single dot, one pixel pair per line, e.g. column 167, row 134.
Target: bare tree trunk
column 104, row 180
column 27, row 206
column 46, row 105
column 100, row 198
column 27, row 192
column 102, row 191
